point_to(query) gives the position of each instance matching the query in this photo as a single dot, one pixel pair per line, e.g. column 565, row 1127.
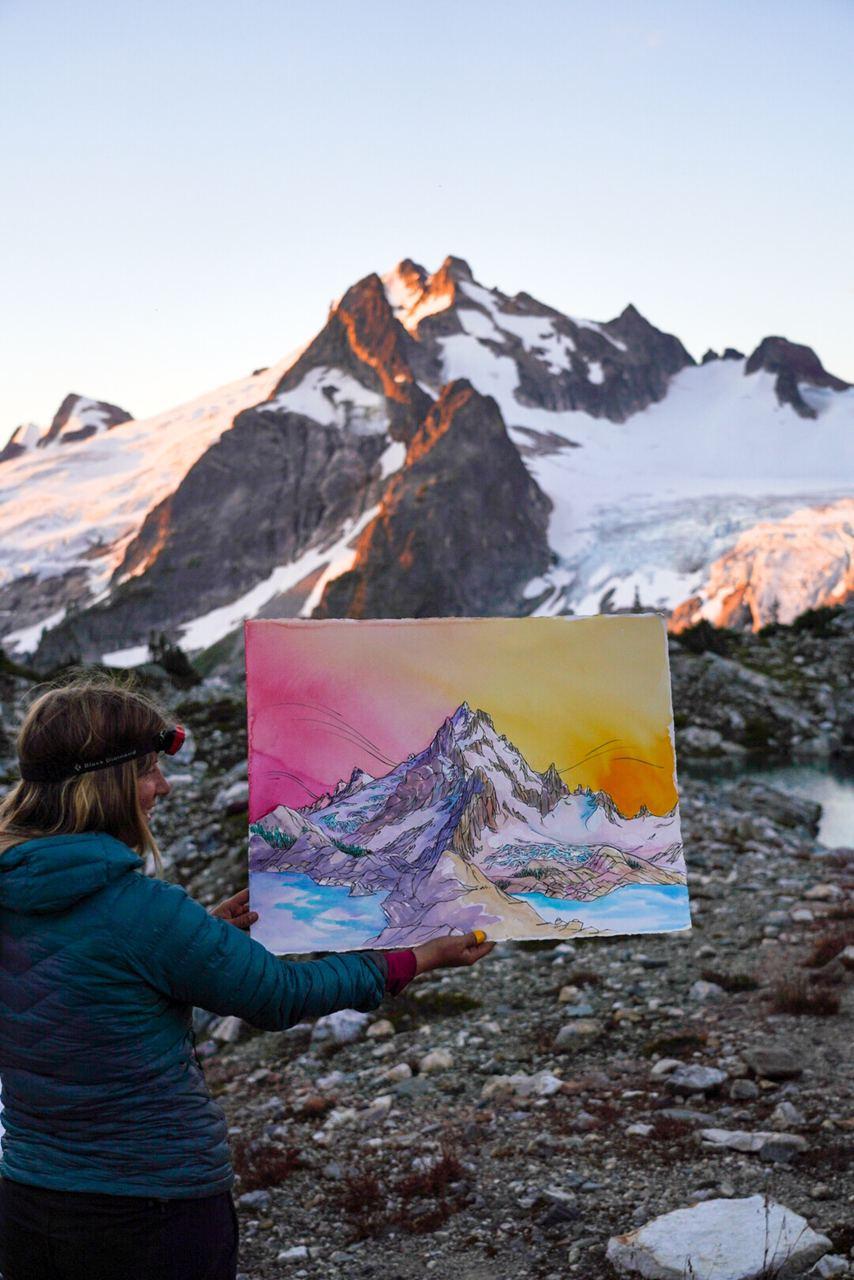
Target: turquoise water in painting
column 296, row 914
column 636, row 908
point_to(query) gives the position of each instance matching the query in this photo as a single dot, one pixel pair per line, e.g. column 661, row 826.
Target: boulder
column 744, row 1239
column 346, row 1026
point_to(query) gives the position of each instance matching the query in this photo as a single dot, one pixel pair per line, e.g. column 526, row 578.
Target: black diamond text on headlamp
column 168, row 741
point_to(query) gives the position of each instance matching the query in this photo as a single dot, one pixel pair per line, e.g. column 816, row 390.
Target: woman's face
column 150, row 785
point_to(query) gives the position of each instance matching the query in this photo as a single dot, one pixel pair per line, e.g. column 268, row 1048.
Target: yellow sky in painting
column 558, row 688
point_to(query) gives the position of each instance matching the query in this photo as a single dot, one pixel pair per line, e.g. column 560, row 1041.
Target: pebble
column 744, row 1090
column 381, row 1028
column 574, row 1034
column 346, row 1026
column 436, row 1060
column 259, row 1200
column 701, row 991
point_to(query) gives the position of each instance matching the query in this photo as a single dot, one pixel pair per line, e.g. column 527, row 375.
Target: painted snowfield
column 410, row 779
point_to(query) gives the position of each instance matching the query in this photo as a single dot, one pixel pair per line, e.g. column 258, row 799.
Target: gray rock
column 774, row 1062
column 575, row 1035
column 695, row 1079
column 257, row 1200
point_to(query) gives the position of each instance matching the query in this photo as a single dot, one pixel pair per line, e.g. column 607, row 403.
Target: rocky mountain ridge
column 438, row 448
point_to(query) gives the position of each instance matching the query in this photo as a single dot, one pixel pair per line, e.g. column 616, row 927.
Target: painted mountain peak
column 459, row 835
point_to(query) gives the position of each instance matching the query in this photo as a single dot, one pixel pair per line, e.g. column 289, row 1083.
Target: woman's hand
column 450, row 952
column 236, row 910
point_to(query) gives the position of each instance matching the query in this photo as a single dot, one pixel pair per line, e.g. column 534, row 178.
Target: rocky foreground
column 530, row 1117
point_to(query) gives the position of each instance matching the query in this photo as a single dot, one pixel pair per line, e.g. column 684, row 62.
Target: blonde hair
column 85, row 719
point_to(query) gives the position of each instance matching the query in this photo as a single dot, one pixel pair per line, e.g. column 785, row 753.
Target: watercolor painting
column 414, row 778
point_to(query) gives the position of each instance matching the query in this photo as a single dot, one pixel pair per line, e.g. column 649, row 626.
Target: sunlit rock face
column 588, row 466
column 777, row 569
column 461, row 527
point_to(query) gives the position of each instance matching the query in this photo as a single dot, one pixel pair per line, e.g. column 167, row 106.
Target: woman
column 115, row 1161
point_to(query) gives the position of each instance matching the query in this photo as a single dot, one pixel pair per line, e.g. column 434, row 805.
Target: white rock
column 832, row 1264
column 381, row 1028
column 847, row 957
column 497, row 1087
column 436, row 1060
column 297, row 1253
column 744, row 1239
column 229, row 1029
column 400, row 1071
column 664, row 1066
column 330, row 1082
column 378, row 1109
column 569, row 995
column 801, row 915
column 233, row 799
column 340, row 1116
column 575, row 1033
column 769, row 1145
column 639, row 1130
column 346, row 1026
column 695, row 1079
column 823, row 892
column 702, row 991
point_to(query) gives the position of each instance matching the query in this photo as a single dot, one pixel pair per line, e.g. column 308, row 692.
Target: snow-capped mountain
column 451, row 832
column 438, row 448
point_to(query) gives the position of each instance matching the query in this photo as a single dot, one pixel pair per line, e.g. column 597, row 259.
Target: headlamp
column 167, row 742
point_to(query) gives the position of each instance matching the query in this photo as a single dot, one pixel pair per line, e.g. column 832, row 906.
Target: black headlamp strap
column 168, row 740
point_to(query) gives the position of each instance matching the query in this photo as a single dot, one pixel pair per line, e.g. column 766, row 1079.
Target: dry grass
column 797, row 996
column 828, row 947
column 262, row 1164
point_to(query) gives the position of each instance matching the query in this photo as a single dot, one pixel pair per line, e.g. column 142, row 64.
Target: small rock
column 568, row 994
column 778, row 1147
column 574, row 1034
column 230, row 1029
column 259, row 1200
column 381, row 1028
column 639, row 1130
column 664, row 1066
column 297, row 1253
column 801, row 915
column 832, row 1264
column 233, row 799
column 724, row 1239
column 773, row 1062
column 701, row 991
column 580, row 1010
column 786, row 1114
column 821, row 1191
column 823, row 892
column 436, row 1060
column 744, row 1090
column 847, row 957
column 346, row 1026
column 400, row 1071
column 695, row 1079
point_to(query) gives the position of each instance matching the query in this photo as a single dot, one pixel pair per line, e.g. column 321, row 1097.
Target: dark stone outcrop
column 636, row 362
column 270, row 486
column 111, row 413
column 793, row 363
column 462, row 526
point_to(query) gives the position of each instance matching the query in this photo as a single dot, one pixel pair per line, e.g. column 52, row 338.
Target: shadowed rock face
column 272, row 485
column 110, row 415
column 792, row 363
column 461, row 528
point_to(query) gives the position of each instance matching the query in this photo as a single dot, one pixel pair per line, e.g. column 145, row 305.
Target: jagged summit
column 793, row 364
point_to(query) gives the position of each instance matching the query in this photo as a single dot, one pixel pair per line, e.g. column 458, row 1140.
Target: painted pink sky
column 313, row 715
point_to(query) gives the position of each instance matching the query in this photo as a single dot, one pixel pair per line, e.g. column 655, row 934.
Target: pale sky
column 187, row 186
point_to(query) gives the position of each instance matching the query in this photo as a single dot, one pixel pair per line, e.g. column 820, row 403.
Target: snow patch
column 334, row 399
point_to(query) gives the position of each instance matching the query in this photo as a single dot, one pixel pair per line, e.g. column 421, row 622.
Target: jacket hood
column 52, row 874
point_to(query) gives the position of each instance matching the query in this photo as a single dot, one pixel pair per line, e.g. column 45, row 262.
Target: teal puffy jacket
column 99, row 969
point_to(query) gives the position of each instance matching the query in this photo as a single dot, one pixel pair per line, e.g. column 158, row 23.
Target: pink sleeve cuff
column 401, row 970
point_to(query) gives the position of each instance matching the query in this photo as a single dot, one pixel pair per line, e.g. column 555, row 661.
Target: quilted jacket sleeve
column 182, row 951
